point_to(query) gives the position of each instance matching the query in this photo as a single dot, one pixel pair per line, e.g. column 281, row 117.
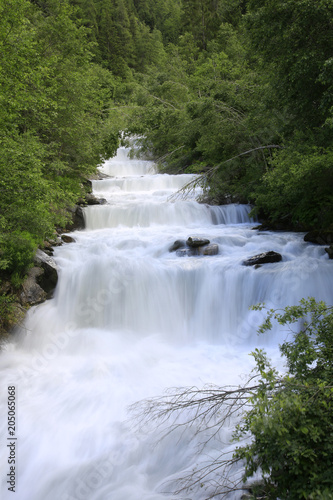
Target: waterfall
column 129, row 319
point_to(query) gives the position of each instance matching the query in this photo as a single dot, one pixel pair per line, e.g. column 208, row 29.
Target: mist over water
column 130, row 319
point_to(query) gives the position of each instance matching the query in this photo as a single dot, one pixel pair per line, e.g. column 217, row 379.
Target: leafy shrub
column 291, row 418
column 298, row 187
column 18, row 249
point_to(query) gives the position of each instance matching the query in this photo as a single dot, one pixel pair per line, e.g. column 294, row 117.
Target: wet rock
column 67, row 239
column 32, row 293
column 212, row 249
column 176, row 245
column 46, row 246
column 329, row 250
column 195, row 242
column 49, row 278
column 77, row 221
column 49, row 252
column 56, row 242
column 263, row 258
column 92, row 200
column 319, row 237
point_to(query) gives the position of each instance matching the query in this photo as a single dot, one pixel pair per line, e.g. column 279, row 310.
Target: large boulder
column 195, row 241
column 263, row 258
column 77, row 221
column 32, row 293
column 49, row 278
column 212, row 249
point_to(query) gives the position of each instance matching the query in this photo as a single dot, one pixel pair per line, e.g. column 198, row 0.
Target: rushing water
column 129, row 319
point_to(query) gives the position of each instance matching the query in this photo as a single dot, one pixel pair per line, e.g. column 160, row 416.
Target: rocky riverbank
column 42, row 277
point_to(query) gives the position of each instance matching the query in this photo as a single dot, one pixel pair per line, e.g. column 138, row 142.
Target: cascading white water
column 129, row 319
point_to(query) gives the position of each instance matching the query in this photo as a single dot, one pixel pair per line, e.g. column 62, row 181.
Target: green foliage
column 243, row 79
column 294, row 38
column 164, row 16
column 6, row 310
column 291, row 420
column 54, row 122
column 19, row 248
column 128, row 35
column 298, row 187
column 197, row 113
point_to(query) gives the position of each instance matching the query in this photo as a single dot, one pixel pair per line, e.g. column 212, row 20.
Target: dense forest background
column 240, row 91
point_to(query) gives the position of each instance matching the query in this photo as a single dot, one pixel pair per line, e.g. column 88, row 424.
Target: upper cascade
column 139, row 196
column 156, row 182
column 122, row 166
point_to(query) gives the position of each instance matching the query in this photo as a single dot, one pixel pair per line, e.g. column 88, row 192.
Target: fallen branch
column 185, row 191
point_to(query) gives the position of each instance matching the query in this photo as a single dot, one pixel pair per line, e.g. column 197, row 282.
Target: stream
column 130, row 319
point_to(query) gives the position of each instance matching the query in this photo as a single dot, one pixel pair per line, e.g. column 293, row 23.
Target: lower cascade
column 130, row 319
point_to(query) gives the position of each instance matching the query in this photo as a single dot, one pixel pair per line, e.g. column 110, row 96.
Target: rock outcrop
column 32, row 293
column 77, row 221
column 49, row 278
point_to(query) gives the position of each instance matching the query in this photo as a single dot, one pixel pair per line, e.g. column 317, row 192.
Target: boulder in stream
column 263, row 258
column 194, row 246
column 177, row 244
column 195, row 241
column 329, row 250
column 211, row 249
column 67, row 239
